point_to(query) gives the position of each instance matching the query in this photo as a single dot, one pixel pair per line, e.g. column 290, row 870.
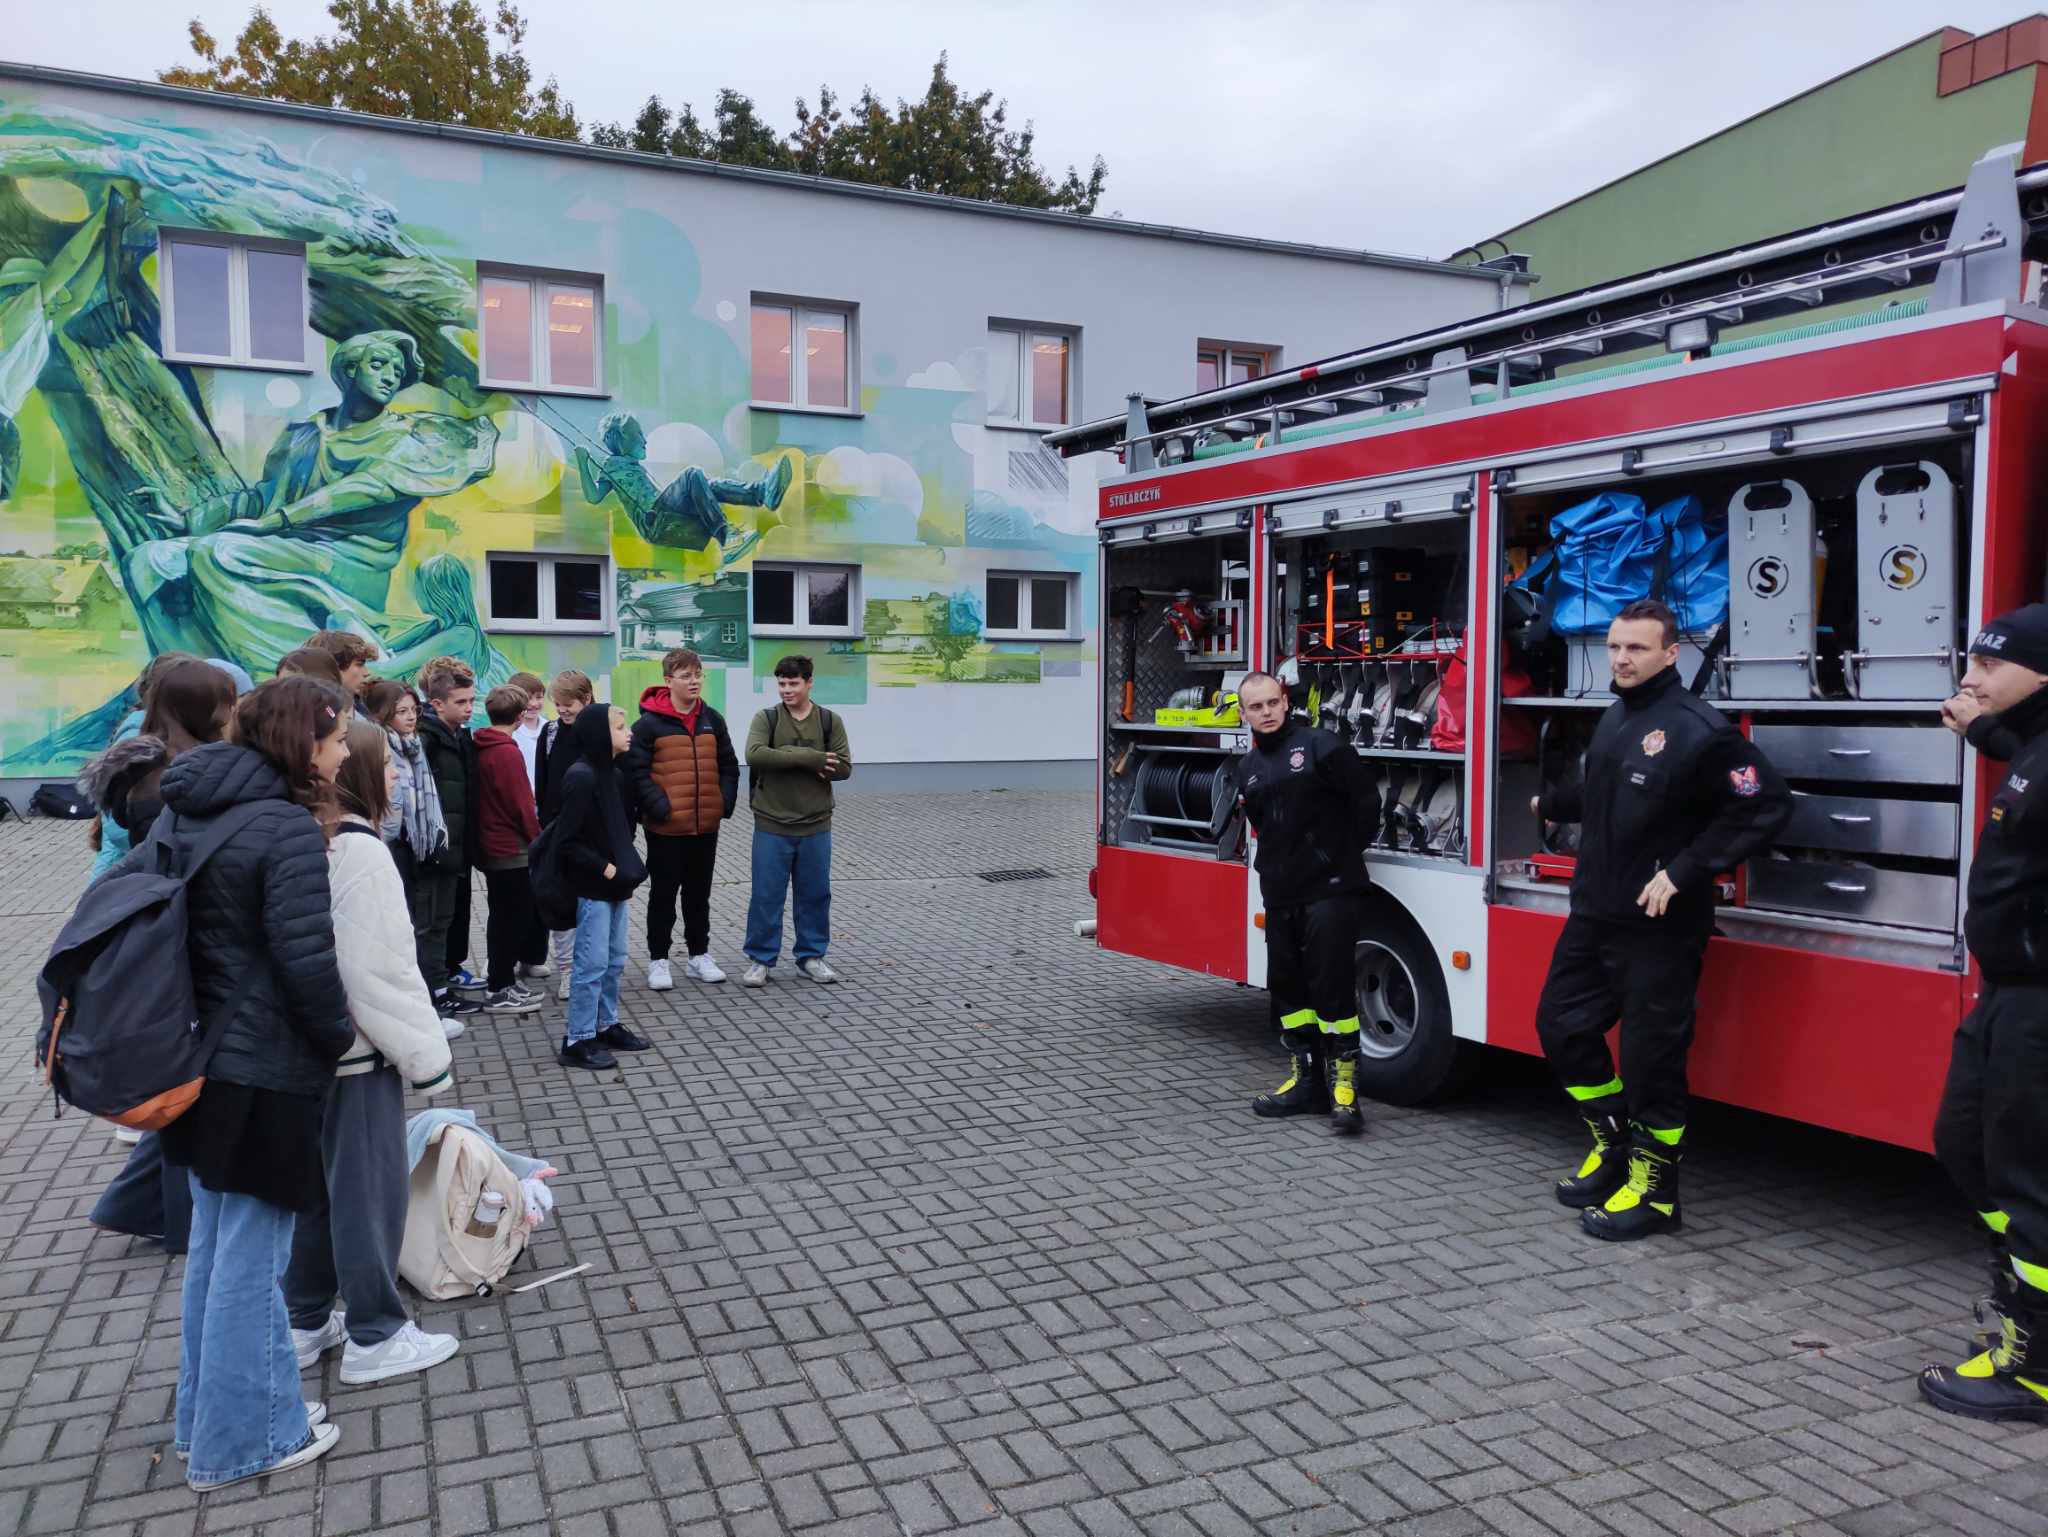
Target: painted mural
column 148, row 505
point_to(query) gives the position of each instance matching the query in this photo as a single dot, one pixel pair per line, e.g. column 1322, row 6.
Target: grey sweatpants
column 348, row 1243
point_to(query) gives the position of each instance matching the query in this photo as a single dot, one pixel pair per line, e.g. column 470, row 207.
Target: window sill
column 543, row 627
column 1051, row 637
column 784, row 406
column 796, row 632
column 507, row 387
column 1036, row 429
column 240, row 365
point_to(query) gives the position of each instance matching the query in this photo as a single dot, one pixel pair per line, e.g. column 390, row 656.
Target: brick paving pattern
column 985, row 1241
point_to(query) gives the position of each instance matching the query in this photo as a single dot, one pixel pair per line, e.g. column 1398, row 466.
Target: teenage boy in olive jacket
column 795, row 752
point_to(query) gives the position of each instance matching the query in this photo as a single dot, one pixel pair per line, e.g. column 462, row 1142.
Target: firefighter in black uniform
column 1673, row 795
column 1992, row 1131
column 1313, row 805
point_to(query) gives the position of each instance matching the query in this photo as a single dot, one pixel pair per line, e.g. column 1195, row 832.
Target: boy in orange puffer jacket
column 684, row 779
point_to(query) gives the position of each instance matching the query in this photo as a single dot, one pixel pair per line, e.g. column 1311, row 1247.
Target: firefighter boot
column 2008, row 1381
column 1648, row 1202
column 1346, row 1119
column 1605, row 1168
column 1304, row 1092
column 1992, row 1311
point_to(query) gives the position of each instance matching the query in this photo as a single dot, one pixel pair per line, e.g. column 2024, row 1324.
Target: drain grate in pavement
column 1015, row 875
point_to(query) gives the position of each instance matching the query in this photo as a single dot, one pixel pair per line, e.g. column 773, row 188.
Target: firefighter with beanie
column 1672, row 796
column 1991, row 1133
column 1312, row 804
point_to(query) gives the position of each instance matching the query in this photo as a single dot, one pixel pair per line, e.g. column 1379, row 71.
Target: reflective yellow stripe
column 1997, row 1221
column 1344, row 1091
column 1338, row 1026
column 1299, row 1019
column 2035, row 1276
column 1670, row 1136
column 1597, row 1091
column 1977, row 1366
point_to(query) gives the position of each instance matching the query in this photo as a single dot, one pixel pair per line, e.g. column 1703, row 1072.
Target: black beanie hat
column 2020, row 637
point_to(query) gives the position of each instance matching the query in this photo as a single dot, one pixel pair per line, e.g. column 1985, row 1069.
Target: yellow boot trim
column 1978, row 1366
column 1997, row 1221
column 1670, row 1136
column 1344, row 1092
column 1582, row 1093
column 2031, row 1274
column 1592, row 1163
column 1338, row 1026
column 1300, row 1019
column 1631, row 1195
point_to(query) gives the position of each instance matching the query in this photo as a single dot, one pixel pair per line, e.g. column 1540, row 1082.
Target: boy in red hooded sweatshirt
column 507, row 824
column 684, row 778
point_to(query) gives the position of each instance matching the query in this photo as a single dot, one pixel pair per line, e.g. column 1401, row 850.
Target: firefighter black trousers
column 1311, row 959
column 1646, row 979
column 1991, row 1133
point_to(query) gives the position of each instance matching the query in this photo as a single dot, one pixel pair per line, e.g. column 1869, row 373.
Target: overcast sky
column 1388, row 124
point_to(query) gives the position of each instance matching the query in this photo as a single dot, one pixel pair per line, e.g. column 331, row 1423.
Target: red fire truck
column 1374, row 527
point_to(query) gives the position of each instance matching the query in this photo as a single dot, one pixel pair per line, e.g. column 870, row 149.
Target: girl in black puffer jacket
column 269, row 994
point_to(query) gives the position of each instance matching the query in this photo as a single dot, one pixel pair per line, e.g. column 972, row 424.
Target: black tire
column 1406, row 1052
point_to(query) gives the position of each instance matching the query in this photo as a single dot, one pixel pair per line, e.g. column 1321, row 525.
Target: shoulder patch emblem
column 1653, row 743
column 1744, row 780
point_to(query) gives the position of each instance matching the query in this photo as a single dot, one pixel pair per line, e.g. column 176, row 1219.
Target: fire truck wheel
column 1406, row 1052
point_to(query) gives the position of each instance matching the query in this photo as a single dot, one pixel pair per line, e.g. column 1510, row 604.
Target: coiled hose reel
column 1185, row 800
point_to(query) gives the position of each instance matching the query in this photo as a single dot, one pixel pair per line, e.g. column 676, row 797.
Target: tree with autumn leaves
column 451, row 61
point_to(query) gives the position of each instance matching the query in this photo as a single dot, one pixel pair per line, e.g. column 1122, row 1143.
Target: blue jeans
column 781, row 862
column 239, row 1406
column 600, row 956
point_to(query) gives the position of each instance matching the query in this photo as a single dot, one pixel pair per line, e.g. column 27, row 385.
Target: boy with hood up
column 600, row 867
column 684, row 778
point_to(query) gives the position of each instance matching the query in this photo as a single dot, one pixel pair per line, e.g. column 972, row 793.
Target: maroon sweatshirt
column 505, row 819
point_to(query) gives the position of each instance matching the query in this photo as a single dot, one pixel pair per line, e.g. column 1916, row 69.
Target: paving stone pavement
column 985, row 1241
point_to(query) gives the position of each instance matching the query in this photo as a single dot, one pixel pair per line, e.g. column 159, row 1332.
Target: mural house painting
column 266, row 370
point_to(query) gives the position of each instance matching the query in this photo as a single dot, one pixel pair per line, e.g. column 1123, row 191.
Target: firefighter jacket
column 2007, row 921
column 683, row 773
column 1670, row 785
column 1313, row 805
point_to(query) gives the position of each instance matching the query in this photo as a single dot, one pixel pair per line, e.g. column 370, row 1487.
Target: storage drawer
column 1913, row 755
column 1857, row 824
column 1854, row 891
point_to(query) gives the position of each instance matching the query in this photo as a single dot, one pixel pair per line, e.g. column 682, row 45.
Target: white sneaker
column 536, row 970
column 316, row 1416
column 324, row 1437
column 411, row 1349
column 816, row 969
column 127, row 1136
column 562, row 987
column 312, row 1344
column 756, row 976
column 659, row 978
column 451, row 1027
column 703, row 968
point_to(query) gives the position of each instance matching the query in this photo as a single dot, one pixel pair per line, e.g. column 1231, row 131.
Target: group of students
column 329, row 824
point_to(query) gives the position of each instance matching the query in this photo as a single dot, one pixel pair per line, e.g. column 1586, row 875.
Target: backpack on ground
column 465, row 1217
column 120, row 1036
column 67, row 803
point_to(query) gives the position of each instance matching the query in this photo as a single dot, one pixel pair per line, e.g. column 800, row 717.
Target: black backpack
column 66, row 802
column 552, row 898
column 120, row 1036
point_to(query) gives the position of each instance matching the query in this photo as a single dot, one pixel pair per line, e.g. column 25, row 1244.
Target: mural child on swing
column 689, row 512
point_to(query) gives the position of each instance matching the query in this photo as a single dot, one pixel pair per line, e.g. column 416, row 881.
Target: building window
column 803, row 355
column 806, row 600
column 227, row 300
column 1031, row 605
column 1219, row 363
column 540, row 332
column 729, row 632
column 555, row 594
column 1030, row 376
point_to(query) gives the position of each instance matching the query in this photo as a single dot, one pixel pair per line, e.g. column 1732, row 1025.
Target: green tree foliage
column 946, row 142
column 434, row 60
column 952, row 631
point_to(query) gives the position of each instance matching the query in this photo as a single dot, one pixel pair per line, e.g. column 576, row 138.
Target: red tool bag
column 1517, row 732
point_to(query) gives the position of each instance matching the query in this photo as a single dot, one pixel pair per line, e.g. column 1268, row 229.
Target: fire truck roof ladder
column 1970, row 241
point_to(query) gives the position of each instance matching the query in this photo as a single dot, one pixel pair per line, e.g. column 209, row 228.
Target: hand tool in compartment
column 1126, row 603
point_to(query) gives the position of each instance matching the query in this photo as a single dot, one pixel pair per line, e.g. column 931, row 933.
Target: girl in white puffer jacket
column 349, row 1244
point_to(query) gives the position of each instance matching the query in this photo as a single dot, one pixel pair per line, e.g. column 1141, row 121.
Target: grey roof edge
column 227, row 101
